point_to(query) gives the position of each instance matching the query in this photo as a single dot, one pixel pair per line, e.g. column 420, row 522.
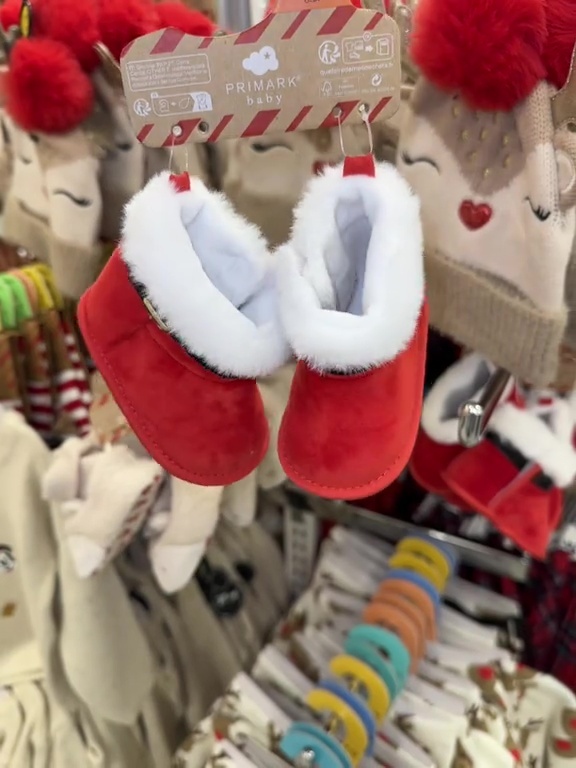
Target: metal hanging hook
column 364, row 110
column 475, row 415
column 176, row 133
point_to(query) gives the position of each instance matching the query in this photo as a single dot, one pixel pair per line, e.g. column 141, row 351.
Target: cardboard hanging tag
column 295, row 70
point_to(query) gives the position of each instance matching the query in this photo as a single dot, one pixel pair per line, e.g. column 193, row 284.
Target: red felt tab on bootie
column 351, row 285
column 491, row 484
column 428, row 462
column 180, row 323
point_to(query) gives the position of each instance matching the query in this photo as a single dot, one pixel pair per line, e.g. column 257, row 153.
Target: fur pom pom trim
column 122, row 22
column 74, row 25
column 561, row 19
column 10, row 14
column 489, row 51
column 461, row 382
column 534, row 439
column 187, row 20
column 208, row 273
column 46, row 90
column 383, row 214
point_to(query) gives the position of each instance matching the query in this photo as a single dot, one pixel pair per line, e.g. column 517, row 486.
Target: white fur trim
column 536, row 442
column 460, row 383
column 207, row 272
column 393, row 289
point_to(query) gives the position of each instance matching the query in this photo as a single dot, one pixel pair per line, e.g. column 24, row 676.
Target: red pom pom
column 490, row 51
column 188, row 20
column 46, row 90
column 122, row 22
column 561, row 17
column 10, row 14
column 73, row 24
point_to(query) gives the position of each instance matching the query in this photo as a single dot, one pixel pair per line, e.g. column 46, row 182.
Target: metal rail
column 470, row 553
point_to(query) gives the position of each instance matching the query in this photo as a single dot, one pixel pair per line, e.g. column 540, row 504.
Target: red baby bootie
column 438, row 440
column 515, row 477
column 180, row 324
column 351, row 284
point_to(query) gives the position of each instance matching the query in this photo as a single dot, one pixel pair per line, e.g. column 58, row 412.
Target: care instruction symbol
column 142, row 107
column 329, row 52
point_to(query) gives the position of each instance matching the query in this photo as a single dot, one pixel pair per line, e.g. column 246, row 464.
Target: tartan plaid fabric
column 564, row 667
column 549, row 604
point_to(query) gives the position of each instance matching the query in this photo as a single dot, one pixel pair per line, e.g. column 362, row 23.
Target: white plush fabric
column 537, row 442
column 351, row 278
column 208, row 273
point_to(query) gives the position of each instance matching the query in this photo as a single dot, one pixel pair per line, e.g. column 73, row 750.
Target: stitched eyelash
column 80, row 201
column 261, row 148
column 413, row 160
column 541, row 213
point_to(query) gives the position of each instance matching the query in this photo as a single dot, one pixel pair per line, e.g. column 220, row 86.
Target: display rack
column 470, row 553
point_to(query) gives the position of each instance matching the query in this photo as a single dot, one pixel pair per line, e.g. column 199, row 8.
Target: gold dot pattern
column 486, row 145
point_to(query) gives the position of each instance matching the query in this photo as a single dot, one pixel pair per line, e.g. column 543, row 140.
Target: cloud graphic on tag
column 262, row 61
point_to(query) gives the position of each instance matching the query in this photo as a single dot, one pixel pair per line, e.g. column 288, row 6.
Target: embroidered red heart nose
column 475, row 216
column 562, row 745
column 486, row 673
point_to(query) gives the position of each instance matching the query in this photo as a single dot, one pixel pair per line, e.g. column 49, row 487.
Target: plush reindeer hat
column 48, row 86
column 495, row 174
column 52, row 91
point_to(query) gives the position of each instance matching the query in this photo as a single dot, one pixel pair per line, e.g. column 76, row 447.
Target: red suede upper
column 490, row 484
column 201, row 427
column 347, row 437
column 427, row 463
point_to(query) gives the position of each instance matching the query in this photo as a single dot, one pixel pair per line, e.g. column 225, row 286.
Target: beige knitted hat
column 25, row 220
column 53, row 206
column 5, row 159
column 496, row 178
column 122, row 172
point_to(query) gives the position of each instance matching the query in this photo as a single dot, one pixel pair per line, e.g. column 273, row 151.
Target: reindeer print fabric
column 524, row 720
